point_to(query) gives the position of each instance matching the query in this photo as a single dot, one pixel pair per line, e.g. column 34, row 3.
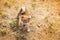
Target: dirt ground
column 44, row 24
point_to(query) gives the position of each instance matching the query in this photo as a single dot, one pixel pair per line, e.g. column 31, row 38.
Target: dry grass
column 41, row 11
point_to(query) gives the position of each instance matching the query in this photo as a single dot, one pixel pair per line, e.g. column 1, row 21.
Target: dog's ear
column 20, row 11
column 23, row 10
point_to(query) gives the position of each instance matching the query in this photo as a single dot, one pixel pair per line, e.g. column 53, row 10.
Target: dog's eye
column 23, row 13
column 22, row 17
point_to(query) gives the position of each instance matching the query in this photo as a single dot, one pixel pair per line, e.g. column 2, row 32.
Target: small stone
column 38, row 25
column 4, row 26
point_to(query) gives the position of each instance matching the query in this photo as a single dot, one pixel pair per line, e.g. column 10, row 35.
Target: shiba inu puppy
column 23, row 19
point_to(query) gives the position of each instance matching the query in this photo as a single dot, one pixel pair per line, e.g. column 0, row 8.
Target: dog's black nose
column 23, row 25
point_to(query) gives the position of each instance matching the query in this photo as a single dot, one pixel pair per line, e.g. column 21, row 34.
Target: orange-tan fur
column 25, row 18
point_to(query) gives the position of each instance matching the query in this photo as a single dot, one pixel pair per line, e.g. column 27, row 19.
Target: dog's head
column 25, row 16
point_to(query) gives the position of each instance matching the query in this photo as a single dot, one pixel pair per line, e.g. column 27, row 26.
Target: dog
column 23, row 19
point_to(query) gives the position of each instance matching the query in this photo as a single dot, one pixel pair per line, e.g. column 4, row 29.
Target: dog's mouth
column 23, row 24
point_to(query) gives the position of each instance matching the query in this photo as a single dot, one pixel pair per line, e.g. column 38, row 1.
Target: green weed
column 3, row 33
column 33, row 4
column 7, row 5
column 21, row 38
column 50, row 29
column 1, row 23
column 4, row 15
column 14, row 25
